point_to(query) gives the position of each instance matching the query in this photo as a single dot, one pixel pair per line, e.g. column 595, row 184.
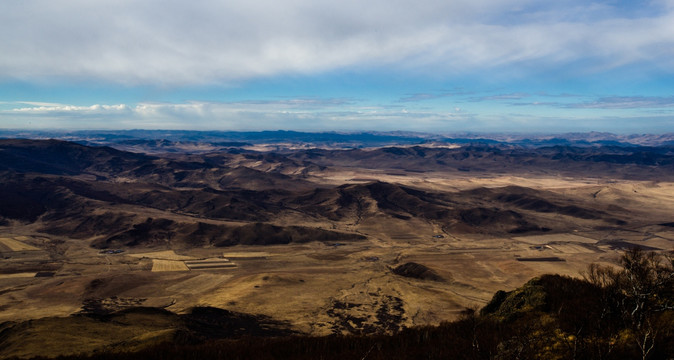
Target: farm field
column 246, row 254
column 13, row 244
column 168, row 265
column 161, row 255
column 209, row 264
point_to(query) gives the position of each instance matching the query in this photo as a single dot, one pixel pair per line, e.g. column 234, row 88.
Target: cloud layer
column 317, row 114
column 431, row 65
column 172, row 43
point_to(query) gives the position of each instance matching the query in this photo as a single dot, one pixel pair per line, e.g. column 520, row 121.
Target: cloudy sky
column 313, row 65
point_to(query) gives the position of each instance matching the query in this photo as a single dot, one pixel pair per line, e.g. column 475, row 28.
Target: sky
column 312, row 65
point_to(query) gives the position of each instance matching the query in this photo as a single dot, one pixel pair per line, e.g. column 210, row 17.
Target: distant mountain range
column 169, row 138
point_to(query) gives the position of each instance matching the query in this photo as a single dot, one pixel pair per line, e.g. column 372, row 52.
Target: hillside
column 538, row 320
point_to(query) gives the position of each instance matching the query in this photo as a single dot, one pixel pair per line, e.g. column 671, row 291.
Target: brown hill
column 621, row 162
column 496, row 211
column 170, row 234
column 368, row 199
column 417, row 271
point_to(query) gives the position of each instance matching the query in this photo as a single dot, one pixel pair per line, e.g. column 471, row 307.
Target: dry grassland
column 546, row 239
column 317, row 287
column 18, row 275
column 203, row 283
column 658, row 243
column 570, row 249
column 669, row 235
column 440, row 181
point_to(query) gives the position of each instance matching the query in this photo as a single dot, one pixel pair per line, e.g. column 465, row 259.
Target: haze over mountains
column 345, row 139
column 312, row 233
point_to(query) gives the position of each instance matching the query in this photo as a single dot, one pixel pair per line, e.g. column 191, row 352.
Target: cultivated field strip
column 571, row 248
column 162, row 255
column 180, row 265
column 247, row 255
column 168, row 265
column 16, row 245
column 209, row 264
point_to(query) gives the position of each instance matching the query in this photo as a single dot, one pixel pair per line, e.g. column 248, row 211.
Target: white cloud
column 625, row 102
column 295, row 114
column 283, row 114
column 69, row 109
column 198, row 42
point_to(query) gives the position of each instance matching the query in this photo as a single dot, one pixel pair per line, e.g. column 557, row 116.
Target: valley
column 321, row 241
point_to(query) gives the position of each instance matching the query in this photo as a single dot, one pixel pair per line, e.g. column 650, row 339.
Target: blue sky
column 434, row 66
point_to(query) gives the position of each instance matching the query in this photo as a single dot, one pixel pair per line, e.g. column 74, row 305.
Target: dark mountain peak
column 63, row 157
